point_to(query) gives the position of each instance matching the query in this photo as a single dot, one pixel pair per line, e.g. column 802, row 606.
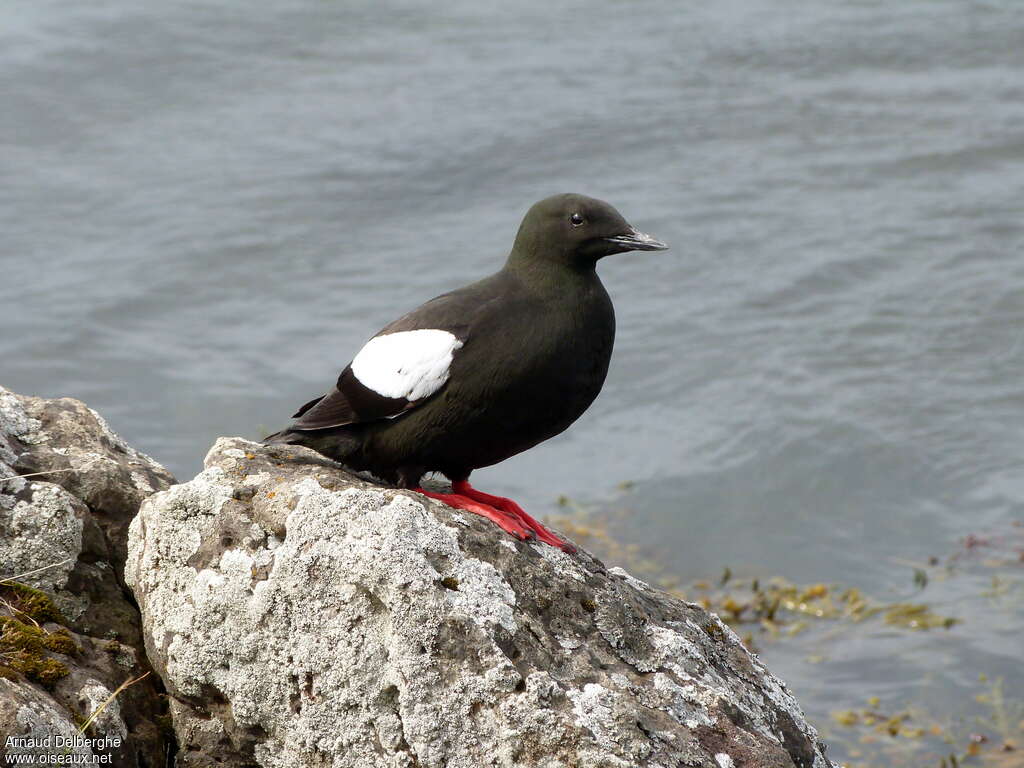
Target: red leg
column 463, row 488
column 508, row 522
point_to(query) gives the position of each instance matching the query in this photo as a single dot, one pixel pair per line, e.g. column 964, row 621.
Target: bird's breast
column 549, row 363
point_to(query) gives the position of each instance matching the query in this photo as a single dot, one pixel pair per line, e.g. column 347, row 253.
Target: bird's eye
column 576, row 220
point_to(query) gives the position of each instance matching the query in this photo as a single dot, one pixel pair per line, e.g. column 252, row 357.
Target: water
column 206, row 210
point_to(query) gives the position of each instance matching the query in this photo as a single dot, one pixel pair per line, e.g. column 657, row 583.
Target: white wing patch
column 409, row 364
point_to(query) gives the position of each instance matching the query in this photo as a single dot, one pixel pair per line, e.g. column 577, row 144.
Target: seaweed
column 981, row 725
column 913, row 736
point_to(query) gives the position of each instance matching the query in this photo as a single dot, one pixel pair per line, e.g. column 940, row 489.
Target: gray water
column 205, row 209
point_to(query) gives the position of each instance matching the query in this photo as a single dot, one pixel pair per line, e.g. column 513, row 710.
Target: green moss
column 24, row 647
column 31, row 602
column 18, row 636
column 60, row 642
column 40, row 669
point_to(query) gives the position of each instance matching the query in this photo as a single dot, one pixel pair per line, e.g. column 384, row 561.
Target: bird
column 482, row 373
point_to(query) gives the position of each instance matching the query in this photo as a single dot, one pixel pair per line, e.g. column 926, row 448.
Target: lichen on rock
column 300, row 616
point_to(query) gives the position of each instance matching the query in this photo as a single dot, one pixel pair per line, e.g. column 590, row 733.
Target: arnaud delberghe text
column 28, row 750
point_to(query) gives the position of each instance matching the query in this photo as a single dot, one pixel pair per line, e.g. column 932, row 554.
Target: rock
column 70, row 633
column 300, row 616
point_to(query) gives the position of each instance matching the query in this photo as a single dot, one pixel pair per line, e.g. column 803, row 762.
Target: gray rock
column 63, row 530
column 300, row 616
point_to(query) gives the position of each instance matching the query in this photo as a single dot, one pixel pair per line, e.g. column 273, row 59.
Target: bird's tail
column 284, row 437
column 338, row 444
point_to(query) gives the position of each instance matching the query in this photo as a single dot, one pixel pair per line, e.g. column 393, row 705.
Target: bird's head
column 577, row 231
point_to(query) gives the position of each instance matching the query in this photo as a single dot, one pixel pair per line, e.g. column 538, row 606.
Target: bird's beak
column 636, row 241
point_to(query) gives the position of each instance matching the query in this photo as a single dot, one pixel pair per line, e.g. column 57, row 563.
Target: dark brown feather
column 307, row 406
column 348, row 403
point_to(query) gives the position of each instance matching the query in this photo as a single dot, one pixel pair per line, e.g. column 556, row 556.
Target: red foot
column 463, row 488
column 507, row 522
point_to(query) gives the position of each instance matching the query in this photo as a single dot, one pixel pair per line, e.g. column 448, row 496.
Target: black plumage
column 532, row 344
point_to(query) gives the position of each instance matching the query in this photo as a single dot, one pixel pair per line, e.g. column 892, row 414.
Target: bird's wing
column 398, row 369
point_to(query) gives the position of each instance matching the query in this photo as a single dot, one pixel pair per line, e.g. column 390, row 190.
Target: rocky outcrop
column 70, row 633
column 300, row 616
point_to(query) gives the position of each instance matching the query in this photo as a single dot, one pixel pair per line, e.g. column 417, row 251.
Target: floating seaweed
column 981, row 579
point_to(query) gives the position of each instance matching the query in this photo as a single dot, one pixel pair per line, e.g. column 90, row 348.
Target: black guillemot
column 484, row 372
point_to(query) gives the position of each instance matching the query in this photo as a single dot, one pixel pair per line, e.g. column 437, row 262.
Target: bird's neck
column 549, row 273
